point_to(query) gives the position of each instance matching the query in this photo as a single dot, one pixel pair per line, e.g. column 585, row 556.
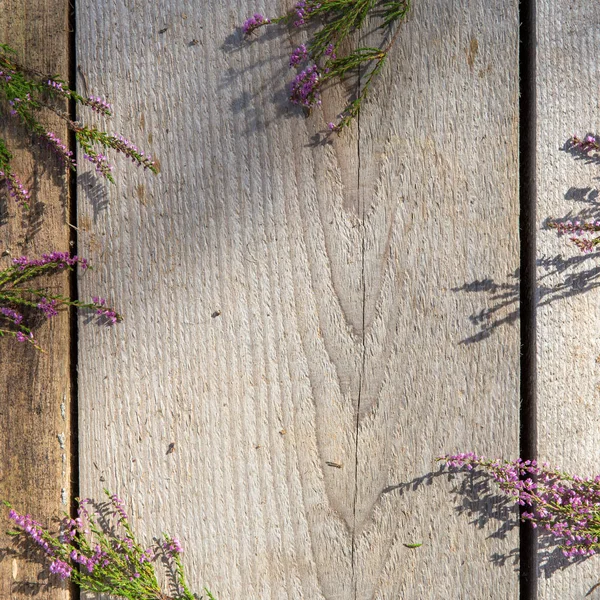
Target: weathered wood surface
column 568, row 340
column 35, row 389
column 301, row 320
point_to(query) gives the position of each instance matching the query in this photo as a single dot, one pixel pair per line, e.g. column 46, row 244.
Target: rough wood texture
column 35, row 436
column 303, row 321
column 568, row 341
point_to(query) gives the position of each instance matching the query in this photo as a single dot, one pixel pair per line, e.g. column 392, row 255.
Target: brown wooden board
column 35, row 388
column 309, row 324
column 568, row 315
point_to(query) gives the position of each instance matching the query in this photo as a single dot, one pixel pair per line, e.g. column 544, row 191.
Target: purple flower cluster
column 116, row 501
column 90, row 562
column 576, row 230
column 588, row 143
column 299, row 55
column 111, row 317
column 22, row 337
column 103, row 167
column 147, row 556
column 98, row 105
column 61, row 568
column 173, row 546
column 254, row 22
column 59, row 147
column 33, row 529
column 130, row 150
column 11, row 314
column 48, row 307
column 15, row 187
column 302, row 11
column 62, row 260
column 304, row 89
column 567, row 507
column 106, row 556
column 57, row 86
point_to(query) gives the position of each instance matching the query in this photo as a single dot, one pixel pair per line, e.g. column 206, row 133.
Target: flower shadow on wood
column 27, row 553
column 558, row 277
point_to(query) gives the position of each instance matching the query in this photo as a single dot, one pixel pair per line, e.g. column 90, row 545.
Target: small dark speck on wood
column 330, row 463
column 163, row 29
column 216, row 314
column 171, row 448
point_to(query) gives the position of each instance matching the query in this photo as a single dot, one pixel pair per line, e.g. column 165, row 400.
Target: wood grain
column 35, row 388
column 568, row 344
column 303, row 319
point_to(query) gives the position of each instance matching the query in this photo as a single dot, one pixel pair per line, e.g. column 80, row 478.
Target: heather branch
column 19, row 301
column 323, row 58
column 566, row 506
column 104, row 560
column 25, row 94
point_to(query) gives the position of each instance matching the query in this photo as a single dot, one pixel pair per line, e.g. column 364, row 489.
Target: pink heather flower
column 302, row 11
column 60, row 568
column 304, row 89
column 15, row 188
column 62, row 260
column 13, row 315
column 21, row 337
column 104, row 313
column 48, row 307
column 587, row 144
column 32, row 528
column 103, row 167
column 576, row 230
column 586, row 246
column 173, row 546
column 299, row 55
column 59, row 147
column 329, row 51
column 119, row 506
column 99, row 105
column 130, row 150
column 147, row 556
column 56, row 85
column 254, row 22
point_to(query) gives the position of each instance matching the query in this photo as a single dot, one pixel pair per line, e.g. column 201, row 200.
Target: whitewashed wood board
column 289, row 305
column 568, row 324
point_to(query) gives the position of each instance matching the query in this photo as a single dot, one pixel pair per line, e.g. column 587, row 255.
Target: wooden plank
column 298, row 315
column 568, row 344
column 438, row 173
column 35, row 388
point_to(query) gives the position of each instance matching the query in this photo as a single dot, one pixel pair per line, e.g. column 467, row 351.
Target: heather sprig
column 26, row 94
column 566, row 506
column 20, row 299
column 104, row 560
column 579, row 233
column 323, row 58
